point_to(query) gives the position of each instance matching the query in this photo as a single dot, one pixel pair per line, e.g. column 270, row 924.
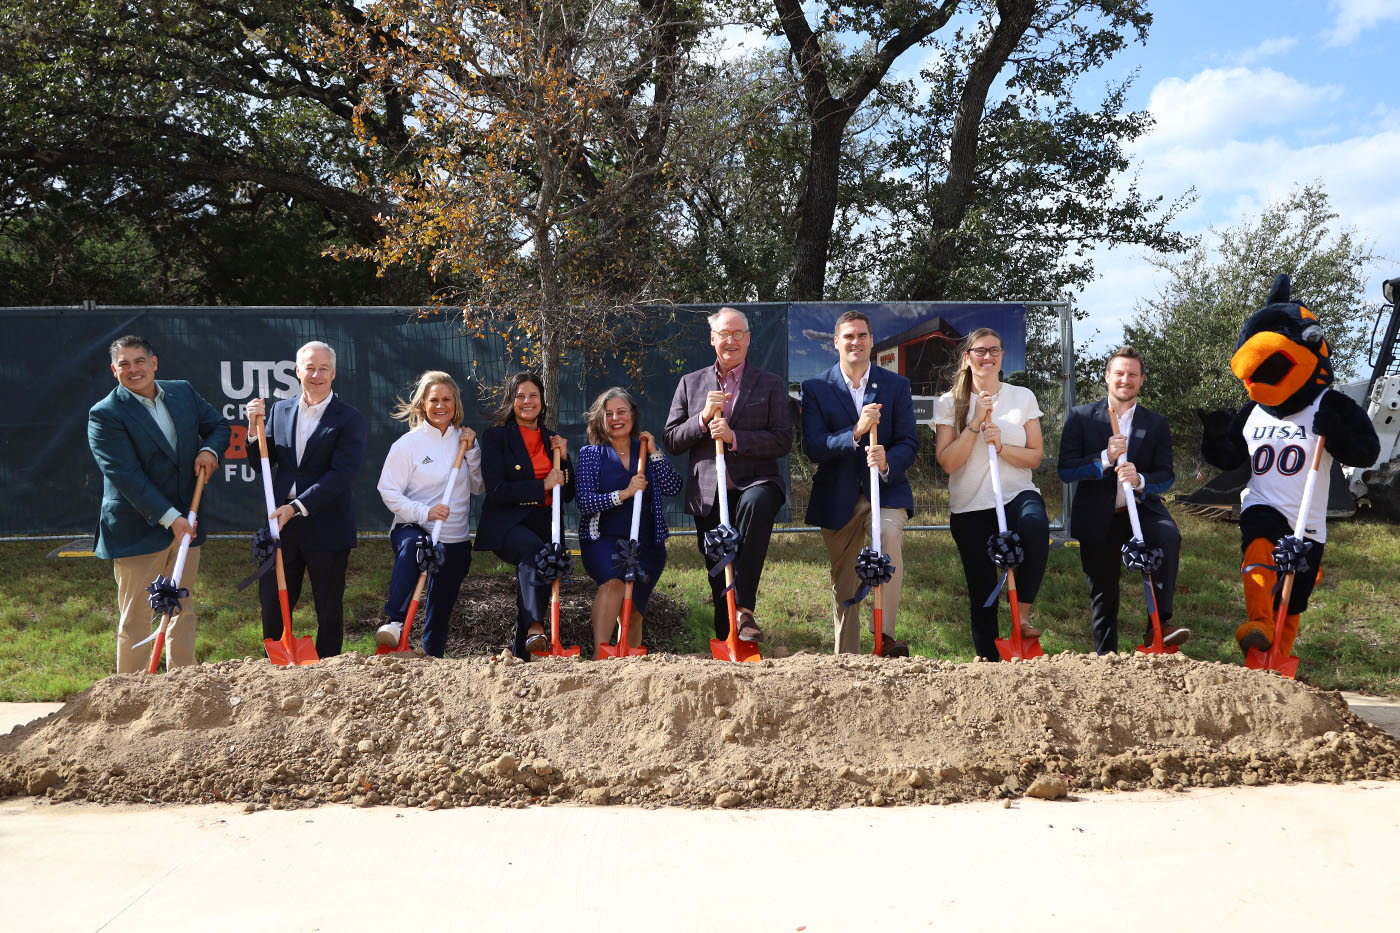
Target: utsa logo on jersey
column 1280, row 432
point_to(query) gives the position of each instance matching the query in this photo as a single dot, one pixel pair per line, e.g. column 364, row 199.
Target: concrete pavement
column 1156, row 861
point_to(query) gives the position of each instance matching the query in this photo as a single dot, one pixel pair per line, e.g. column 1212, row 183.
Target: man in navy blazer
column 836, row 435
column 150, row 439
column 1089, row 450
column 316, row 442
column 747, row 408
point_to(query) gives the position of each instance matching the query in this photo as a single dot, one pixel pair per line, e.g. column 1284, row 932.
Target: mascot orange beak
column 1273, row 367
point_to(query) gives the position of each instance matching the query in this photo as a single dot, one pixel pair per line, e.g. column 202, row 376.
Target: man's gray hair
column 715, row 317
column 316, row 345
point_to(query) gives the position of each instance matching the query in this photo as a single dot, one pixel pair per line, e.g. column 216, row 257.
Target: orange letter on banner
column 237, row 443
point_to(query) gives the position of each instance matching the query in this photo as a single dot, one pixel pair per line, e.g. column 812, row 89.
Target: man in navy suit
column 747, row 408
column 150, row 439
column 838, row 411
column 1089, row 452
column 317, row 443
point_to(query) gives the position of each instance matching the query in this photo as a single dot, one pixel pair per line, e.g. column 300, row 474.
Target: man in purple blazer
column 747, row 408
column 316, row 443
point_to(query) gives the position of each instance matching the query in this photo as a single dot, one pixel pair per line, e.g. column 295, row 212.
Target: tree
column 998, row 178
column 190, row 131
column 1188, row 333
column 548, row 139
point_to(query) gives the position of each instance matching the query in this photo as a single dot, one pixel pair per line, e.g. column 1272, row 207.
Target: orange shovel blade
column 1266, row 661
column 1027, row 649
column 300, row 651
column 555, row 649
column 742, row 650
column 1153, row 649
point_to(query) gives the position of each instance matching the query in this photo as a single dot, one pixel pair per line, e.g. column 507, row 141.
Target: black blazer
column 325, row 477
column 512, row 492
column 1085, row 436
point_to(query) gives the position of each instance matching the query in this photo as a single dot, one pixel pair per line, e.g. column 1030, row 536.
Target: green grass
column 57, row 624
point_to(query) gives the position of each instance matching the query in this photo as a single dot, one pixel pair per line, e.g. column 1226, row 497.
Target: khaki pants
column 844, row 546
column 136, row 619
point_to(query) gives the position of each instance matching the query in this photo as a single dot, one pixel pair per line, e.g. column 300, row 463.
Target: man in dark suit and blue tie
column 1089, row 455
column 316, row 442
column 150, row 438
column 838, row 410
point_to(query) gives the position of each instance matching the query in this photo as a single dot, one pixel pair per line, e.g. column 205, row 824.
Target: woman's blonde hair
column 962, row 379
column 411, row 409
column 597, row 432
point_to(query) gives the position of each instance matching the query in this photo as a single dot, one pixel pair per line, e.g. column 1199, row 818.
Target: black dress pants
column 518, row 547
column 751, row 514
column 1102, row 560
column 326, row 569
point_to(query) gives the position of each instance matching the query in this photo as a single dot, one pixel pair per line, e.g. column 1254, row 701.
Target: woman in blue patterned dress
column 606, row 480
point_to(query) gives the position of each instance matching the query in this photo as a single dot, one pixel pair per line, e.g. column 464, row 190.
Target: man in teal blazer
column 150, row 438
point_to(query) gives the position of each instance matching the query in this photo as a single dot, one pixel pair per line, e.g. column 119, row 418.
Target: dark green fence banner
column 57, row 367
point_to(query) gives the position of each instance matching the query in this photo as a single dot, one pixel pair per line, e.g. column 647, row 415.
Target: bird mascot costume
column 1283, row 360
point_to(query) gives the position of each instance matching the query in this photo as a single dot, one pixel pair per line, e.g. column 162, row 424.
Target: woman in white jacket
column 412, row 484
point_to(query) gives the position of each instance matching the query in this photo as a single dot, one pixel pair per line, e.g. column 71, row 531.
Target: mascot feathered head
column 1281, row 357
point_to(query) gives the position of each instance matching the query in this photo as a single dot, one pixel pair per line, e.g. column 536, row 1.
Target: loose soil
column 808, row 731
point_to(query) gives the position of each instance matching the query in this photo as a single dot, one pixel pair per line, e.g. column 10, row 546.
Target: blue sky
column 1253, row 99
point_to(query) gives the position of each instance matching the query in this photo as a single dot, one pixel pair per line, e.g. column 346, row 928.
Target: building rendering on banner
column 924, row 354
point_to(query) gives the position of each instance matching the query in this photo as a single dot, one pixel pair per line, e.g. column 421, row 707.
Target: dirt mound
column 808, row 731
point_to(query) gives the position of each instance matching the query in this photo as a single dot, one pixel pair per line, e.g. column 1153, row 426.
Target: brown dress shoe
column 893, row 649
column 748, row 628
column 1029, row 631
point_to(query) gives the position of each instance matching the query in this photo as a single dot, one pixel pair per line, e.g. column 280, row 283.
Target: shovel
column 289, row 649
column 1156, row 647
column 159, row 633
column 623, row 648
column 1272, row 660
column 1017, row 647
column 411, row 613
column 731, row 648
column 877, row 546
column 556, row 531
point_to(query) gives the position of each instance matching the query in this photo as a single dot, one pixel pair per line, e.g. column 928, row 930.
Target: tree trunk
column 828, row 115
column 931, row 283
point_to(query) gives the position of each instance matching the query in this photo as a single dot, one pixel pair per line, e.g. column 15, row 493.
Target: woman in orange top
column 517, row 467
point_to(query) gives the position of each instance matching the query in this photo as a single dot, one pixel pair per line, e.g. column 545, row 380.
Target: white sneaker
column 389, row 634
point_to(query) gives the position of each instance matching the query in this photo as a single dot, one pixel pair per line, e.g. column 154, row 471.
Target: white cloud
column 1236, row 179
column 1220, row 102
column 1267, row 49
column 1356, row 16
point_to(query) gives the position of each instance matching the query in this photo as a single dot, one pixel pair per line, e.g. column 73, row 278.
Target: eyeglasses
column 984, row 352
column 730, row 334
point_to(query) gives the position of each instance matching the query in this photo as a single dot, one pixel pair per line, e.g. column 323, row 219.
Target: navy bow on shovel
column 1291, row 554
column 721, row 546
column 872, row 569
column 264, row 555
column 627, row 563
column 1138, row 557
column 166, row 595
column 1004, row 548
column 430, row 557
column 551, row 562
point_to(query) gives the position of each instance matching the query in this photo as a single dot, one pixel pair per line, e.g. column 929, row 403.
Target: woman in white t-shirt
column 412, row 485
column 962, row 441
